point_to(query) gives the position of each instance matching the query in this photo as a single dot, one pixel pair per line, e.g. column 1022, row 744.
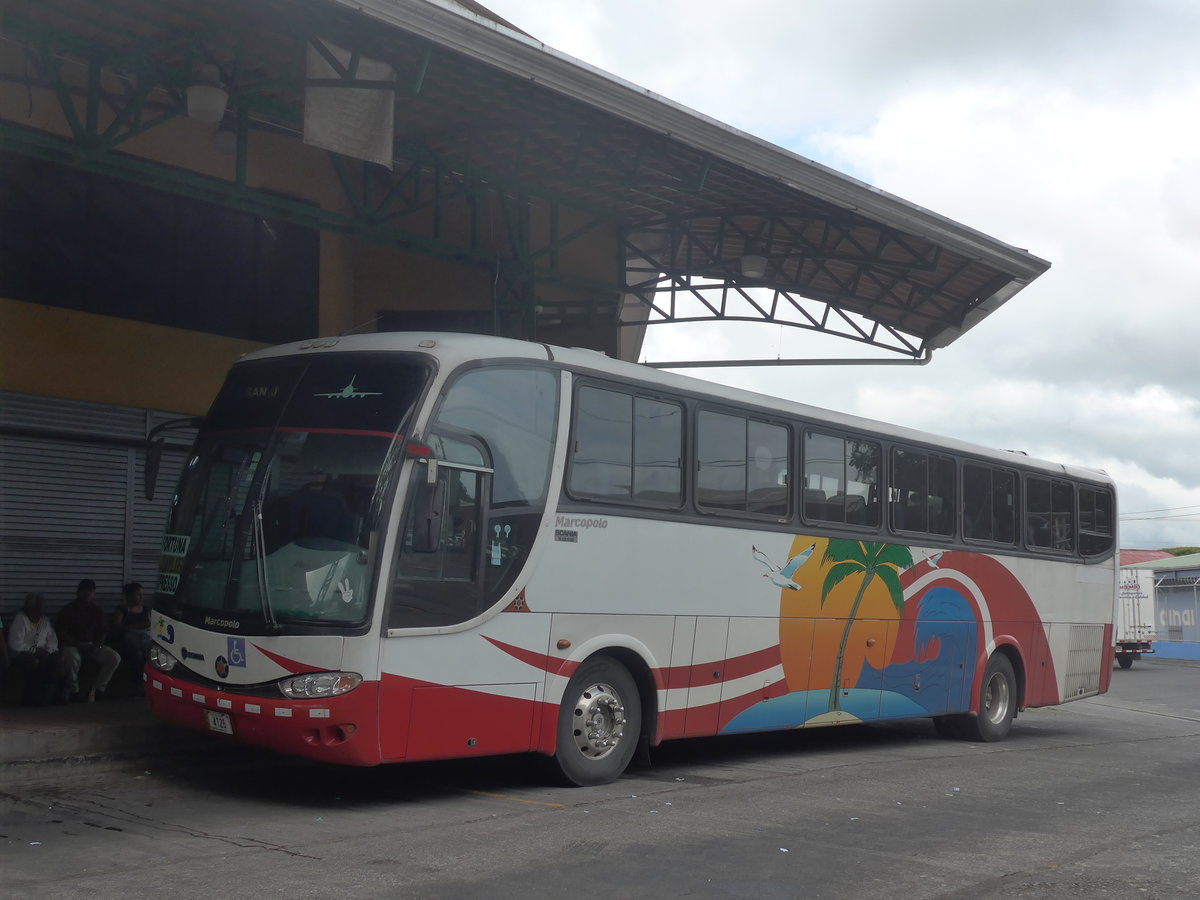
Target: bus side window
column 493, row 439
column 923, row 492
column 602, row 457
column 720, row 461
column 657, row 452
column 626, row 449
column 1049, row 514
column 1004, row 507
column 436, row 580
column 512, row 412
column 1095, row 521
column 768, row 477
column 1037, row 512
column 977, row 502
column 814, row 503
column 989, row 513
column 742, row 465
column 845, row 471
column 1063, row 504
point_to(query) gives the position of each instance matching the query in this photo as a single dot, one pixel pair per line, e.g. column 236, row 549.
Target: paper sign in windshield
column 170, row 563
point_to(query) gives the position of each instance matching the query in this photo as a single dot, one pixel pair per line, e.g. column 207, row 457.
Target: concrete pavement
column 37, row 738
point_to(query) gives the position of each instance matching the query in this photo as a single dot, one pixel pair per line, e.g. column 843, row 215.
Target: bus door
column 437, row 582
column 459, row 552
column 474, row 509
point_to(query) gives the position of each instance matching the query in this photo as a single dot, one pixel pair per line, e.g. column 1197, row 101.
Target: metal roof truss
column 475, row 143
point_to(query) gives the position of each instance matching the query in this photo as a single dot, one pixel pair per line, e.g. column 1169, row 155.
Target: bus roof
column 455, row 350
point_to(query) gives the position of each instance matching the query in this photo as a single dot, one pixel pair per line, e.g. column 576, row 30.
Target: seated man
column 81, row 634
column 33, row 651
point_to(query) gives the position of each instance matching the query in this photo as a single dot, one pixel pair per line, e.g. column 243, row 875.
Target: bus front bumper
column 340, row 729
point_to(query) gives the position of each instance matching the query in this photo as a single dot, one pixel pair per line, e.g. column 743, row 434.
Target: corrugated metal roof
column 1170, row 564
column 1133, row 557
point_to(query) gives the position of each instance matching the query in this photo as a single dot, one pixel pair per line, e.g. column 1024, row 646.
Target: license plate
column 219, row 721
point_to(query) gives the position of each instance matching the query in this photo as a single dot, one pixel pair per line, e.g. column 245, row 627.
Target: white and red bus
column 401, row 547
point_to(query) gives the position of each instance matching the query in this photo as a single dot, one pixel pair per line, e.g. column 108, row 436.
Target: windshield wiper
column 260, row 558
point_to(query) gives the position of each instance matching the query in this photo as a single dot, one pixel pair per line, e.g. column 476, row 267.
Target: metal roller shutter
column 71, row 500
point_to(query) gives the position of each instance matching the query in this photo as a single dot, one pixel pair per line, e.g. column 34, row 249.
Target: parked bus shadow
column 730, row 750
column 917, row 737
column 270, row 778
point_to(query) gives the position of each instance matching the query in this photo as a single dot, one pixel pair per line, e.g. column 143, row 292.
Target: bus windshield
column 275, row 520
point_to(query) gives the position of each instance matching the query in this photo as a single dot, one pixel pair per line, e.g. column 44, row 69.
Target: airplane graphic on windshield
column 349, row 392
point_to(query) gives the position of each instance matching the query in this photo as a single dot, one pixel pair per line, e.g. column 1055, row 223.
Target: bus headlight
column 161, row 659
column 315, row 685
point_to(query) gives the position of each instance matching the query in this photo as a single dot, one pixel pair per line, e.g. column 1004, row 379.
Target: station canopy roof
column 713, row 223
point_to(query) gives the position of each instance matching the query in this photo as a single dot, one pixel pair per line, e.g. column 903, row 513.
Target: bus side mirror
column 154, row 452
column 155, row 446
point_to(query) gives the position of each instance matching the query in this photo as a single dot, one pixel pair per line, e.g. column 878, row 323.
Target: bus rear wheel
column 997, row 703
column 599, row 723
column 1125, row 661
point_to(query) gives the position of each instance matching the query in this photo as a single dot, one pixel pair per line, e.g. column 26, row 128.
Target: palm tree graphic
column 870, row 560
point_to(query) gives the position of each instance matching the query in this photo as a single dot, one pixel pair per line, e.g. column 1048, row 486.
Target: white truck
column 1133, row 618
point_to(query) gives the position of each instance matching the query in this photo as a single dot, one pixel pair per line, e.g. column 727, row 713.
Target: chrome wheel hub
column 996, row 700
column 598, row 721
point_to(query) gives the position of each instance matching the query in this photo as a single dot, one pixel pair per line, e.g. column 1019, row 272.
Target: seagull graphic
column 934, row 560
column 782, row 576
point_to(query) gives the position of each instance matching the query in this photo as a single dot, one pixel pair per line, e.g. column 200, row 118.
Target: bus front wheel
column 997, row 703
column 599, row 723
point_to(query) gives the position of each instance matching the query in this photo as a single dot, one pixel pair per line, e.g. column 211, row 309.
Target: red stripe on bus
column 296, row 668
column 290, row 429
column 362, row 432
column 676, row 677
column 722, row 670
column 553, row 664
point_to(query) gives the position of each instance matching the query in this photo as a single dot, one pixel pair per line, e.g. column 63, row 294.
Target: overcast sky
column 1070, row 128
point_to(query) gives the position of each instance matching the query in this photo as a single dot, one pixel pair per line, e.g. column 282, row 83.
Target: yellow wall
column 62, row 353
column 387, row 278
column 337, row 312
column 45, row 350
column 48, row 351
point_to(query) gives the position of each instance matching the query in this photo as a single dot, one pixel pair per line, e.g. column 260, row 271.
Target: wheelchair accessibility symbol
column 236, row 651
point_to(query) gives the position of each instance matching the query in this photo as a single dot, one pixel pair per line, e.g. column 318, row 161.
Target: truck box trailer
column 1133, row 619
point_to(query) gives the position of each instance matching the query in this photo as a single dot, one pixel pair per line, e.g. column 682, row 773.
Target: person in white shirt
column 33, row 651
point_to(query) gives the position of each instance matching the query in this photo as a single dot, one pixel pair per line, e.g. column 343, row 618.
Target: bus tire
column 1125, row 661
column 997, row 702
column 599, row 723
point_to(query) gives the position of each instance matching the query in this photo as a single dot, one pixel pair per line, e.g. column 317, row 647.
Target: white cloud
column 1066, row 128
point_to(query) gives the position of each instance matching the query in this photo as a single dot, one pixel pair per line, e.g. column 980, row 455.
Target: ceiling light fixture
column 753, row 263
column 206, row 96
